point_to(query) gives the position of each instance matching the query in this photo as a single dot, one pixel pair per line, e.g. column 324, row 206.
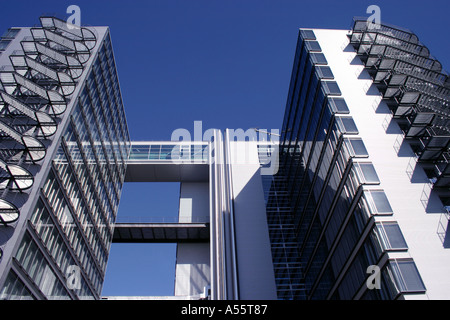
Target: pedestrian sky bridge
column 170, row 161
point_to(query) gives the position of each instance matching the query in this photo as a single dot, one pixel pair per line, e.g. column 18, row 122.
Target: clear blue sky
column 225, row 62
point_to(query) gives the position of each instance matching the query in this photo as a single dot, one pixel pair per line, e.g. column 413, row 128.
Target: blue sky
column 226, row 63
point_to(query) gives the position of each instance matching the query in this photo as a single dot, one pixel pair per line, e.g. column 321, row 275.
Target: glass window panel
column 166, row 151
column 381, row 201
column 313, row 46
column 370, row 175
column 318, row 58
column 339, row 105
column 358, row 147
column 331, row 88
column 347, row 125
column 11, row 33
column 407, row 275
column 4, row 44
column 394, row 235
column 324, row 72
column 308, row 34
column 154, row 152
column 14, row 289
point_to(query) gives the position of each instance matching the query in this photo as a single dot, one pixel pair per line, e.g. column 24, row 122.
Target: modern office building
column 64, row 153
column 63, row 148
column 223, row 246
column 348, row 203
column 357, row 210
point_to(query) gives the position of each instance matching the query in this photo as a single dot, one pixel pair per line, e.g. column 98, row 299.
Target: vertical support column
column 192, row 272
column 223, row 257
column 217, row 289
column 229, row 225
column 254, row 267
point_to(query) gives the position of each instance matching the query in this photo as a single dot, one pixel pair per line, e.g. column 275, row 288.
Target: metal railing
column 170, row 150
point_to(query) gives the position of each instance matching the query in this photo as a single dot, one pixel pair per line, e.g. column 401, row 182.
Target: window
column 366, row 173
column 378, row 202
column 318, row 58
column 324, row 72
column 347, row 125
column 313, row 46
column 391, row 236
column 139, row 152
column 308, row 34
column 166, row 151
column 406, row 275
column 338, row 105
column 331, row 88
column 356, row 147
column 36, row 266
column 15, row 289
column 10, row 33
column 4, row 44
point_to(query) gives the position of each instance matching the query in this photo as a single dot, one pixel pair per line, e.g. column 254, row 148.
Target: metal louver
column 413, row 85
column 33, row 94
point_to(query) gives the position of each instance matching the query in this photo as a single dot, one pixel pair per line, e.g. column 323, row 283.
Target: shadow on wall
column 192, row 269
column 350, row 48
column 6, row 233
column 254, row 256
column 444, row 231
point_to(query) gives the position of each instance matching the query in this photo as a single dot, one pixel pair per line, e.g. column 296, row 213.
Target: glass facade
column 324, row 204
column 64, row 146
column 175, row 151
column 66, row 237
column 286, row 260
